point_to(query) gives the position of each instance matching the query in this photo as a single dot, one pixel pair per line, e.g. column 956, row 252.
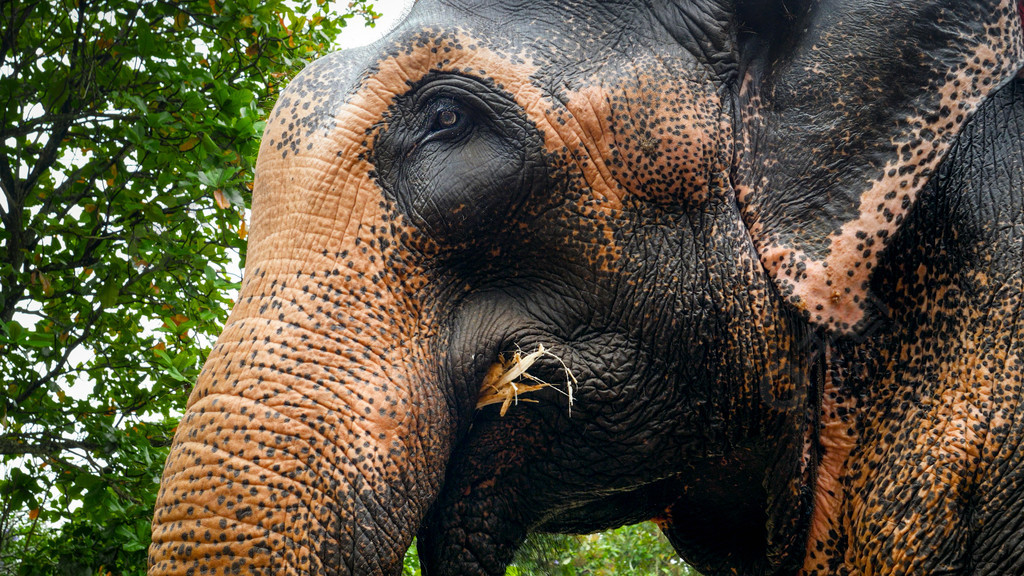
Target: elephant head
column 771, row 251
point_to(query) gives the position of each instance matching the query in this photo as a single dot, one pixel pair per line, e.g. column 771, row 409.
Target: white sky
column 355, row 34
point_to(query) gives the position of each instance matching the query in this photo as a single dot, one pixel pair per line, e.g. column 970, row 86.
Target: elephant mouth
column 521, row 378
column 509, row 380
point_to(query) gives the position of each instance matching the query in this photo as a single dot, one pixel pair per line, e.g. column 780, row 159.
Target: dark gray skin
column 779, row 245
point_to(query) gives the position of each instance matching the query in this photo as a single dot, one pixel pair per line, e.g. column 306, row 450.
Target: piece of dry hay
column 504, row 381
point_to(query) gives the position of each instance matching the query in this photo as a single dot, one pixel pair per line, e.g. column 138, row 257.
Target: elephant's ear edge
column 839, row 138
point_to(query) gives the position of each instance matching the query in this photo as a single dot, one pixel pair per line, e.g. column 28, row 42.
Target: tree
column 637, row 550
column 128, row 130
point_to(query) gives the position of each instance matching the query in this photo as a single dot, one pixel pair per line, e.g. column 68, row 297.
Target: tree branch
column 40, row 445
column 9, row 184
column 12, row 27
column 59, row 366
column 59, row 192
column 37, row 124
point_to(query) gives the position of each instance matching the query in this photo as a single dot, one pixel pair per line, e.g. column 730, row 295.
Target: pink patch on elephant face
column 829, row 279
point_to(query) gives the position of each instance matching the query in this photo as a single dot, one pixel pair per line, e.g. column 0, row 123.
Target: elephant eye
column 446, row 118
column 449, row 120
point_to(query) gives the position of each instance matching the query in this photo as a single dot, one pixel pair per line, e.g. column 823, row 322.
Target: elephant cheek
column 303, row 450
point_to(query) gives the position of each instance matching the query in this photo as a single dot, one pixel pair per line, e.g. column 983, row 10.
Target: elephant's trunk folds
column 285, row 465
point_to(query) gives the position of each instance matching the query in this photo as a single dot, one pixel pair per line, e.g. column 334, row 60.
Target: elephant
column 751, row 269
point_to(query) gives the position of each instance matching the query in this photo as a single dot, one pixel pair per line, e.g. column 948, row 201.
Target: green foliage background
column 128, row 131
column 638, row 550
column 128, row 134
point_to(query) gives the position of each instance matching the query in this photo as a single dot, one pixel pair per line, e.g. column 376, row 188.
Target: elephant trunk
column 295, row 437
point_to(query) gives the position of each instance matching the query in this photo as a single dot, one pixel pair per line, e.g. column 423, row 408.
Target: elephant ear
column 844, row 117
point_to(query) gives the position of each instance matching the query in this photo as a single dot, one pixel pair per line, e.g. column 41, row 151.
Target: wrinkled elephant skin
column 777, row 244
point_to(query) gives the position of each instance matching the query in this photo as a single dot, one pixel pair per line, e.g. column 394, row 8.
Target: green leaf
column 210, row 146
column 234, row 195
column 107, row 296
column 169, row 365
column 13, row 329
column 139, row 103
column 34, row 339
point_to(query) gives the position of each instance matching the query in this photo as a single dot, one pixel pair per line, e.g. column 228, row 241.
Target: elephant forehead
column 322, row 109
column 314, row 159
column 648, row 133
column 654, row 126
column 638, row 128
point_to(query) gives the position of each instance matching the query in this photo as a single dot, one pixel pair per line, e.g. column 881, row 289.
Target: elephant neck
column 921, row 410
column 749, row 511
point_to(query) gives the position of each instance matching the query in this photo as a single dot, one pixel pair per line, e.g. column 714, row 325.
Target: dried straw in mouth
column 507, row 380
